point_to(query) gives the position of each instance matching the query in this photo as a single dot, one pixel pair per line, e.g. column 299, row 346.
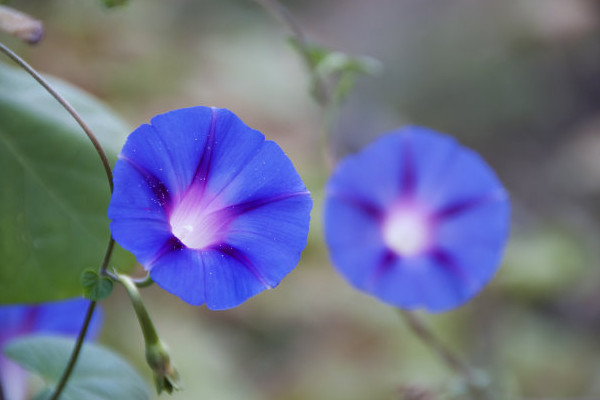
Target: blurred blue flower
column 213, row 211
column 416, row 220
column 56, row 318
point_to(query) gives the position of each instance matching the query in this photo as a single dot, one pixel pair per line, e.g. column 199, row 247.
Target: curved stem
column 67, row 106
column 141, row 283
column 75, row 354
column 452, row 360
column 148, row 330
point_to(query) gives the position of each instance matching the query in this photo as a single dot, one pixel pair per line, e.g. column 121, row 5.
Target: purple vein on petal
column 236, row 210
column 159, row 137
column 245, row 162
column 385, row 263
column 31, row 315
column 203, row 167
column 371, row 210
column 171, row 244
column 240, row 257
column 459, row 207
column 408, row 169
column 161, row 193
column 447, row 261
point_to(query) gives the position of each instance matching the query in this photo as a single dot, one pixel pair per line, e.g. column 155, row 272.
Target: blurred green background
column 518, row 80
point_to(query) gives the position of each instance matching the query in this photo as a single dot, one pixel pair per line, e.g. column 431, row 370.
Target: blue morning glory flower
column 213, row 211
column 416, row 220
column 56, row 318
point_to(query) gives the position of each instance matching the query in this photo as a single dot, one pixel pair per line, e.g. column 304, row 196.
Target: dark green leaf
column 99, row 374
column 54, row 193
column 94, row 286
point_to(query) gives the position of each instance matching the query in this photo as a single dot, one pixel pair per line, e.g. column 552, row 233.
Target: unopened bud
column 166, row 376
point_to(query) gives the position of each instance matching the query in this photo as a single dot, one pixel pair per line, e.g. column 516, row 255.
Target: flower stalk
column 158, row 358
column 476, row 387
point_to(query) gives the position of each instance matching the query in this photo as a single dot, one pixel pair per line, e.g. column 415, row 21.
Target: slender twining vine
column 449, row 357
column 67, row 106
column 109, row 248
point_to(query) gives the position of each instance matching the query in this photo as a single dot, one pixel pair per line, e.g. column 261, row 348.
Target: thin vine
column 109, row 249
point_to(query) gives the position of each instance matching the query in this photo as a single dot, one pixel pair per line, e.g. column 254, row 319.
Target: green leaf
column 338, row 70
column 99, row 374
column 95, row 287
column 54, row 195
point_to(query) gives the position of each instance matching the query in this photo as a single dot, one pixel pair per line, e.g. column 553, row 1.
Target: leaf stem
column 452, row 360
column 75, row 354
column 67, row 106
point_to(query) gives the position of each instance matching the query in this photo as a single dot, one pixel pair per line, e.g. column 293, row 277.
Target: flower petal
column 448, row 174
column 170, row 148
column 133, row 196
column 145, row 238
column 231, row 278
column 272, row 236
column 267, row 175
column 355, row 245
column 353, row 179
column 476, row 238
column 66, row 317
column 13, row 378
column 181, row 272
column 235, row 147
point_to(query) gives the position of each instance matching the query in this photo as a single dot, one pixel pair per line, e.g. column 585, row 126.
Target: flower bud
column 166, row 376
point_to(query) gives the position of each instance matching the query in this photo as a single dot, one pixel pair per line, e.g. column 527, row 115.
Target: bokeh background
column 517, row 80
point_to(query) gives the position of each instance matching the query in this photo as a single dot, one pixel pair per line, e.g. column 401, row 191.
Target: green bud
column 166, row 376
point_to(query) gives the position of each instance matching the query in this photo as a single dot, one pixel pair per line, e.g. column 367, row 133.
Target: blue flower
column 416, row 220
column 56, row 318
column 213, row 211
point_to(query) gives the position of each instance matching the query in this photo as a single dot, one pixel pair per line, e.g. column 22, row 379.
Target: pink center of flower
column 196, row 223
column 407, row 231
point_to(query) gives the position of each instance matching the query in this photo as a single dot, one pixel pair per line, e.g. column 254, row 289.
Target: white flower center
column 195, row 225
column 407, row 232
